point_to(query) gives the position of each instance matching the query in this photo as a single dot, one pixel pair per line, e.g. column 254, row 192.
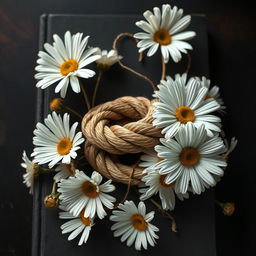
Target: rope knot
column 119, row 127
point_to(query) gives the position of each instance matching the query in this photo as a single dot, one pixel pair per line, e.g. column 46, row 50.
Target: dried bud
column 228, row 209
column 51, row 201
column 56, row 104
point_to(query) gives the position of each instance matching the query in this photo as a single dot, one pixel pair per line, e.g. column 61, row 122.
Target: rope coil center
column 119, row 127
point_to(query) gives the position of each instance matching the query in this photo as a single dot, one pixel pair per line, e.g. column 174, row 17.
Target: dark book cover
column 195, row 216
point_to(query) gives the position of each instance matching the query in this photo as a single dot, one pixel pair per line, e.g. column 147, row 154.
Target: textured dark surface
column 231, row 29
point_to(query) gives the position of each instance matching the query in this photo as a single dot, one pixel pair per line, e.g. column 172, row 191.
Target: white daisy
column 76, row 225
column 212, row 92
column 80, row 192
column 133, row 224
column 156, row 184
column 56, row 141
column 107, row 59
column 64, row 61
column 30, row 168
column 192, row 159
column 164, row 29
column 182, row 102
column 64, row 171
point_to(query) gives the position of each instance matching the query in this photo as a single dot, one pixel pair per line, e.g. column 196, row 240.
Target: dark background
column 232, row 40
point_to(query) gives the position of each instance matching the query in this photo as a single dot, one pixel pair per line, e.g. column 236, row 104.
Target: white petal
column 75, row 84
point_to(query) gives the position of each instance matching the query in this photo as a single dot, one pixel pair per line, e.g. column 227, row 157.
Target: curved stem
column 72, row 111
column 189, row 63
column 166, row 214
column 96, row 87
column 128, row 187
column 163, row 69
column 140, row 59
column 86, row 99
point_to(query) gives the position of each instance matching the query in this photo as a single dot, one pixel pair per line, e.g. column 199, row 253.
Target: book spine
column 36, row 221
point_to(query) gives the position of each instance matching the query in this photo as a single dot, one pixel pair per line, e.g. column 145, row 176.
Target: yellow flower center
column 159, row 159
column 68, row 66
column 185, row 114
column 163, row 183
column 90, row 189
column 208, row 97
column 139, row 222
column 85, row 221
column 189, row 157
column 162, row 37
column 64, row 146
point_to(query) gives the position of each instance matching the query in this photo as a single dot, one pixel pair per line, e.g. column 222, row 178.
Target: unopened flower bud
column 51, row 201
column 228, row 209
column 56, row 104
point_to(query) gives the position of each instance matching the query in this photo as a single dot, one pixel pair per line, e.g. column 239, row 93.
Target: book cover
column 195, row 216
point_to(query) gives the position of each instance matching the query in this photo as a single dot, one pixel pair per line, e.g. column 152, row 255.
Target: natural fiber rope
column 122, row 126
column 110, row 168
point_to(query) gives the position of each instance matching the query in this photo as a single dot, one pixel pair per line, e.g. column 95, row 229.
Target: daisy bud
column 56, row 104
column 51, row 201
column 107, row 59
column 228, row 208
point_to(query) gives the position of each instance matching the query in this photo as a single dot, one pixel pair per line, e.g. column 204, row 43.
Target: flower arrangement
column 178, row 135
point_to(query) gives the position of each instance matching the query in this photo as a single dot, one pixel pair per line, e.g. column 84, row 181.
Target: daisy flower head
column 64, row 62
column 56, row 141
column 192, row 159
column 76, row 225
column 64, row 171
column 81, row 192
column 213, row 92
column 164, row 29
column 182, row 101
column 107, row 59
column 30, row 168
column 133, row 225
column 155, row 183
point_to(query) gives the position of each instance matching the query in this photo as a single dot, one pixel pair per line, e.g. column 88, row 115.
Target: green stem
column 54, row 188
column 129, row 35
column 86, row 99
column 189, row 63
column 163, row 69
column 72, row 111
column 166, row 214
column 156, row 204
column 96, row 87
column 219, row 203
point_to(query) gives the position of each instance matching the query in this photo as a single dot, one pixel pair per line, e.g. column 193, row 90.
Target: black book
column 194, row 216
